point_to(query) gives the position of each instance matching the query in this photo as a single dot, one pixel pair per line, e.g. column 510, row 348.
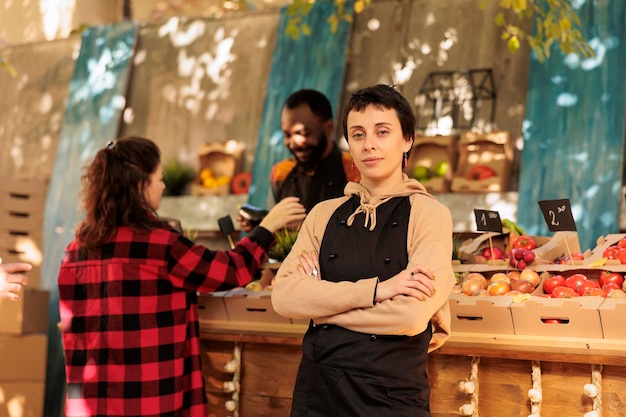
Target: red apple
column 493, row 253
column 480, row 172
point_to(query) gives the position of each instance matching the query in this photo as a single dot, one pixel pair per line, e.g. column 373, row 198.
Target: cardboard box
column 252, row 306
column 494, row 150
column 21, row 248
column 559, row 245
column 558, row 317
column 28, row 315
column 27, row 355
column 481, row 314
column 548, row 248
column 602, row 244
column 430, row 151
column 23, row 186
column 22, row 202
column 21, row 223
column 460, row 268
column 471, row 249
column 21, row 399
column 612, row 313
column 212, row 306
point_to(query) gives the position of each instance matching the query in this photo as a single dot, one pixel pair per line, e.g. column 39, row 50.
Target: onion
column 617, row 294
column 471, row 286
column 500, row 276
column 513, row 275
column 522, row 286
column 478, row 277
column 530, row 275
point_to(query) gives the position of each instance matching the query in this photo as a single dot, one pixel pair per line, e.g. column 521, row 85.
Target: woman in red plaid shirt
column 127, row 290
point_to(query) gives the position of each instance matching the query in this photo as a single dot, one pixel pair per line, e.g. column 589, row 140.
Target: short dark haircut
column 317, row 102
column 382, row 96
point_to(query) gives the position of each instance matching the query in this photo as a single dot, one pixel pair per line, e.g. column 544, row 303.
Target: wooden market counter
column 503, row 367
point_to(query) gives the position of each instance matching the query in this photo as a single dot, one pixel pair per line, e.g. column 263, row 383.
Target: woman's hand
column 11, row 281
column 244, row 224
column 415, row 282
column 309, row 264
column 287, row 212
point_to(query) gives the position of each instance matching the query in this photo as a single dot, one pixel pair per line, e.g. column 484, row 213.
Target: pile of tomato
column 616, row 251
column 609, row 284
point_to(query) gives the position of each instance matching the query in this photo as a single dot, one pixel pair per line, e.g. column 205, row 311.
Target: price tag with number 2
column 558, row 215
column 488, row 221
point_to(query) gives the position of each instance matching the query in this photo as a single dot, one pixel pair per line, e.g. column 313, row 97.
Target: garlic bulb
column 466, row 410
column 590, row 390
column 467, row 387
column 535, row 395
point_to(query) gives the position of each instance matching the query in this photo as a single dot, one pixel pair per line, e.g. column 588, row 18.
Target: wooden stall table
column 504, row 368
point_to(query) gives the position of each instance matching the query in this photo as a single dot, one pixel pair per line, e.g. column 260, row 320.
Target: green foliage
column 176, row 176
column 298, row 9
column 285, row 238
column 555, row 22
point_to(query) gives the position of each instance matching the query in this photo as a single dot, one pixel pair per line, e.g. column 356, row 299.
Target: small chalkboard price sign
column 558, row 215
column 488, row 221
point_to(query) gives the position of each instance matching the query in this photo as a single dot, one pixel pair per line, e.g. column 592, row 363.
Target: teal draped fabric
column 316, row 61
column 92, row 116
column 574, row 129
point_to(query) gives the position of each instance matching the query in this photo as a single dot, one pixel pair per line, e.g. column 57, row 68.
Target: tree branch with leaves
column 556, row 22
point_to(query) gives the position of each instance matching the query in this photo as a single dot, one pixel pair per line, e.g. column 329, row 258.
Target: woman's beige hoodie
column 350, row 304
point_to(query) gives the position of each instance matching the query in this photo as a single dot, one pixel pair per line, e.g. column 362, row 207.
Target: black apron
column 350, row 374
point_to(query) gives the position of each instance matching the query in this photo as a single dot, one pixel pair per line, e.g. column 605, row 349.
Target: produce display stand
column 503, row 370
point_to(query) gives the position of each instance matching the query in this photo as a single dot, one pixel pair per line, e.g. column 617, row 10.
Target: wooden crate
column 494, row 150
column 428, row 152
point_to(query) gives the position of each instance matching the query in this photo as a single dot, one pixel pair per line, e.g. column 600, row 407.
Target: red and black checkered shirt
column 129, row 320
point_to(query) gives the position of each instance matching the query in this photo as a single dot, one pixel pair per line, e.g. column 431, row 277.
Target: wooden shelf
column 550, row 349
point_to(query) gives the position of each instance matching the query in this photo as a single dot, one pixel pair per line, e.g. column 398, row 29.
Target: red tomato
column 609, row 253
column 609, row 287
column 564, row 292
column 608, row 276
column 595, row 291
column 524, row 241
column 621, row 256
column 575, row 281
column 587, row 286
column 622, row 243
column 549, row 284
